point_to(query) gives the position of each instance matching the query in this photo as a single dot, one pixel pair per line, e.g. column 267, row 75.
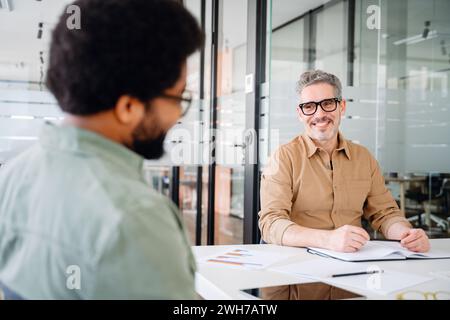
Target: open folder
column 380, row 250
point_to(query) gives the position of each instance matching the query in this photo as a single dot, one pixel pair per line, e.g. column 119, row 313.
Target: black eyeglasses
column 327, row 105
column 185, row 100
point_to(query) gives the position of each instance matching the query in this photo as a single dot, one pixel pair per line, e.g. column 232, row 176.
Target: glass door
column 231, row 104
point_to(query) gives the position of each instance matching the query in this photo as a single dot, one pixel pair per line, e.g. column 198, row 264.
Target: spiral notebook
column 381, row 250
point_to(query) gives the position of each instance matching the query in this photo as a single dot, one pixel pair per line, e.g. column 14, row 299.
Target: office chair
column 439, row 190
column 446, row 198
column 442, row 196
column 419, row 196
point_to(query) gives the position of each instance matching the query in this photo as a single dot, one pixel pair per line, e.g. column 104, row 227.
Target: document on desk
column 241, row 258
column 443, row 274
column 381, row 250
column 319, row 269
column 382, row 282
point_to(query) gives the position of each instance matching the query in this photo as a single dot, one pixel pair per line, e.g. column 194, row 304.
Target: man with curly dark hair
column 77, row 220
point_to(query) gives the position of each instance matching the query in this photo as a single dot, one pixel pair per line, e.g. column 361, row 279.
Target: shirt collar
column 77, row 140
column 311, row 147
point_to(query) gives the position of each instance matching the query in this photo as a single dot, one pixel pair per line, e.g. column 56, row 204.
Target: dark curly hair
column 134, row 47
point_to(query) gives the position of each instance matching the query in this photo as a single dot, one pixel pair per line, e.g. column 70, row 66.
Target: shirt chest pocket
column 357, row 192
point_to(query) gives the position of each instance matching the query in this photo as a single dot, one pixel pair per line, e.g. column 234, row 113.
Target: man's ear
column 299, row 114
column 129, row 110
column 343, row 106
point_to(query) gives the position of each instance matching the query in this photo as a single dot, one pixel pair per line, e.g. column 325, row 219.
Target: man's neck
column 99, row 123
column 328, row 145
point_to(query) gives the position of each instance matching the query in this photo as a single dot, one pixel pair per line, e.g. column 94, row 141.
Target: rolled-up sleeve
column 380, row 208
column 276, row 198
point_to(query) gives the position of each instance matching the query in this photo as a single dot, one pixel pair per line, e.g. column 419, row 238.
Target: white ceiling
column 286, row 10
column 19, row 53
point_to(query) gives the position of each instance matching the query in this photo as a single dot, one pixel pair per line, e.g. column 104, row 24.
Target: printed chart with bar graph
column 243, row 258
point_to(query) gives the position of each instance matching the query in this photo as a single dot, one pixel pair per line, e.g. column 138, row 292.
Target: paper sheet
column 382, row 250
column 432, row 253
column 241, row 258
column 319, row 268
column 380, row 283
column 442, row 274
column 370, row 251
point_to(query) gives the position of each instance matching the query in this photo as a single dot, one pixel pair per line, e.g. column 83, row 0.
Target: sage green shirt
column 78, row 221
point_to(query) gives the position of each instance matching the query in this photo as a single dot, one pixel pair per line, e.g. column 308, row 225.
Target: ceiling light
column 39, row 35
column 443, row 48
column 417, row 38
column 426, row 30
column 16, row 117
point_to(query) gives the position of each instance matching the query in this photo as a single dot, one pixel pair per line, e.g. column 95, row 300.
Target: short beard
column 324, row 136
column 327, row 135
column 144, row 141
column 150, row 149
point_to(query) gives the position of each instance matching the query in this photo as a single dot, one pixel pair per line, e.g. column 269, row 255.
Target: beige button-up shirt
column 303, row 185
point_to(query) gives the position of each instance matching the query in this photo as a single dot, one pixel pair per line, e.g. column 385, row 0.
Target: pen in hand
column 356, row 273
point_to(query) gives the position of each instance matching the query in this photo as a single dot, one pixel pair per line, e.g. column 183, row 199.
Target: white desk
column 221, row 282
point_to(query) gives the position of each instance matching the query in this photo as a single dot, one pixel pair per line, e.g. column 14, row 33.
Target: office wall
column 398, row 95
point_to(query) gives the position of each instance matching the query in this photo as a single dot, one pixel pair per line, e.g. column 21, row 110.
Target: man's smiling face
column 321, row 125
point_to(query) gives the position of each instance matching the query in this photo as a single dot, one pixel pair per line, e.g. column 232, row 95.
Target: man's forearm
column 396, row 230
column 298, row 236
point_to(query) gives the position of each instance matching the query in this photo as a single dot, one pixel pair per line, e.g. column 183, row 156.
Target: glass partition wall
column 229, row 97
column 203, row 168
column 25, row 104
column 393, row 58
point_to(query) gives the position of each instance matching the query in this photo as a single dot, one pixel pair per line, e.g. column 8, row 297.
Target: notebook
column 381, row 250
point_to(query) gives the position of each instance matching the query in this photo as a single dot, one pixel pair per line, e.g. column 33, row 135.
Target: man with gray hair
column 317, row 188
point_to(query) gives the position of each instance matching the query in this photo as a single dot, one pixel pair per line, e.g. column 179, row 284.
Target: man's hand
column 347, row 239
column 415, row 240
